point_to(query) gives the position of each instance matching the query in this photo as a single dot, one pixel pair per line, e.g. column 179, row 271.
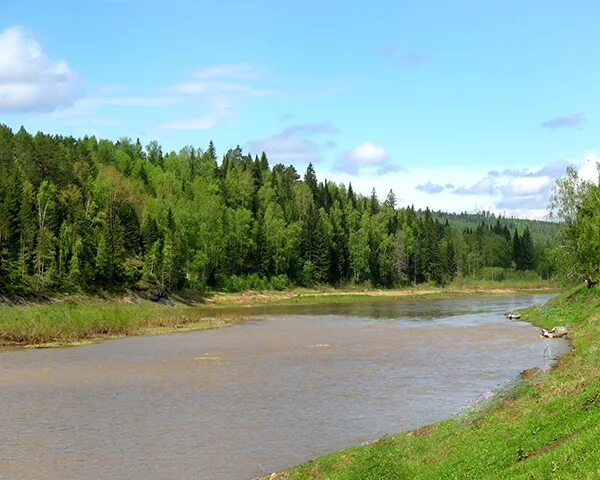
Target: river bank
column 69, row 320
column 544, row 426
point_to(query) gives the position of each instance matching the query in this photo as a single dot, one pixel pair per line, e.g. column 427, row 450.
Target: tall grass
column 70, row 322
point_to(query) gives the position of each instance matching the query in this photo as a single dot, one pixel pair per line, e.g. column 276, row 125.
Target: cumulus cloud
column 366, row 155
column 29, row 79
column 295, row 143
column 567, row 121
column 552, row 169
column 526, row 191
column 430, row 187
column 485, row 186
column 530, row 203
column 525, row 186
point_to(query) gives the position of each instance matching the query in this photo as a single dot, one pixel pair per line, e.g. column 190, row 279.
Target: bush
column 279, row 282
column 239, row 283
column 308, row 274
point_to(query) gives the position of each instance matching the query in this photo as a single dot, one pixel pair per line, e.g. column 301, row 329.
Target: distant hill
column 541, row 231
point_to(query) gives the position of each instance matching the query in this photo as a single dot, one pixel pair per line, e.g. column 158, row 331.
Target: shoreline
column 530, row 428
column 81, row 320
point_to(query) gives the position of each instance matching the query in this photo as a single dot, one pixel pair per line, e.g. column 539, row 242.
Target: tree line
column 88, row 214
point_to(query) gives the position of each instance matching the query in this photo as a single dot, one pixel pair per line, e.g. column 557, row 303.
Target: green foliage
column 88, row 214
column 576, row 204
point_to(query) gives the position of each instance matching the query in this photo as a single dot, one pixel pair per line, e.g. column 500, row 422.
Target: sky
column 459, row 105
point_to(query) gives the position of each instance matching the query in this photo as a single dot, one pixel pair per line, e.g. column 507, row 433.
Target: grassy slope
column 547, row 426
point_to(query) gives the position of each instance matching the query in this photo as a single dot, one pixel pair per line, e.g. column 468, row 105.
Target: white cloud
column 367, row 152
column 367, row 155
column 295, row 143
column 430, row 187
column 520, row 192
column 521, row 186
column 29, row 80
column 485, row 186
column 286, row 149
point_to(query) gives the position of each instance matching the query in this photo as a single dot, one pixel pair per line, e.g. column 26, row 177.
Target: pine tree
column 315, row 244
column 390, row 200
column 527, row 251
column 310, row 178
column 374, row 203
column 351, row 196
column 516, row 250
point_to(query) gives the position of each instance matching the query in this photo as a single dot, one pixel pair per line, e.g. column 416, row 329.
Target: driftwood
column 555, row 332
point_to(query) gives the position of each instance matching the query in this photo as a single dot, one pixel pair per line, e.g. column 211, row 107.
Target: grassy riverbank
column 62, row 324
column 546, row 426
column 72, row 320
column 358, row 293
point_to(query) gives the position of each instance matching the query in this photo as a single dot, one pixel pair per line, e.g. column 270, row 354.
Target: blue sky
column 456, row 104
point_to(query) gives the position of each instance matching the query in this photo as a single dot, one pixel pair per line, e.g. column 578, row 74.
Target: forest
column 96, row 215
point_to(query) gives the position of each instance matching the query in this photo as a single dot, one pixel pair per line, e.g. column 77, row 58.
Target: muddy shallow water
column 239, row 402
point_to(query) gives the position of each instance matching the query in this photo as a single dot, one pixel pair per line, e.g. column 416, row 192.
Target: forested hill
column 541, row 231
column 88, row 214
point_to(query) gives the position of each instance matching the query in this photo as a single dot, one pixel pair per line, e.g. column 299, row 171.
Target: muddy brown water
column 239, row 402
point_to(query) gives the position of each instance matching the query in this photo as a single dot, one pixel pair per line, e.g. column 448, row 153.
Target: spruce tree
column 527, row 251
column 310, row 178
column 516, row 250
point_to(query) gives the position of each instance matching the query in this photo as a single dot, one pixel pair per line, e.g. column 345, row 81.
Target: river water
column 238, row 402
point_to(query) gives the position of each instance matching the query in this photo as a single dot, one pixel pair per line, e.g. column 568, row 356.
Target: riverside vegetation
column 88, row 215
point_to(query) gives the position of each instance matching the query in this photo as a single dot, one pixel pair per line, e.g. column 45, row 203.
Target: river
column 238, row 402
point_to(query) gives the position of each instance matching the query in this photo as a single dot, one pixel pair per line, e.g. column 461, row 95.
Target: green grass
column 514, row 283
column 62, row 324
column 545, row 427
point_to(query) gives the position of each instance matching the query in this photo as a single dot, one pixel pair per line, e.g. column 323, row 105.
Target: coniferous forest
column 89, row 215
